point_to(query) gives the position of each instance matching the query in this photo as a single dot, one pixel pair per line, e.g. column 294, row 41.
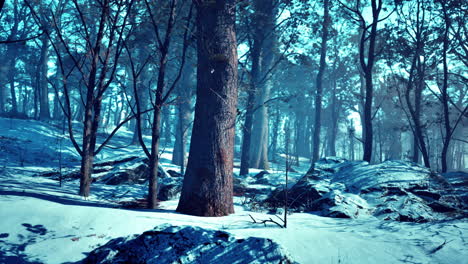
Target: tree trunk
column 247, row 128
column 154, row 157
column 274, row 140
column 87, row 155
column 302, row 148
column 183, row 120
column 259, row 143
column 12, row 50
column 367, row 68
column 10, row 69
column 207, row 188
column 351, row 135
column 143, row 101
column 58, row 113
column 3, row 93
column 166, row 117
column 445, row 97
column 333, row 127
column 255, row 136
column 44, row 113
column 92, row 110
column 319, row 87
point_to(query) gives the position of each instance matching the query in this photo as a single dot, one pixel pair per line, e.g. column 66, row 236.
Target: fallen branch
column 267, row 221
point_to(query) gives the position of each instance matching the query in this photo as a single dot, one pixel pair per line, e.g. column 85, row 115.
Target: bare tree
column 161, row 95
column 449, row 128
column 416, row 81
column 367, row 59
column 97, row 69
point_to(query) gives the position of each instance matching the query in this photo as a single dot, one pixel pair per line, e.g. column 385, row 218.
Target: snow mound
column 392, row 190
column 31, row 143
column 187, row 244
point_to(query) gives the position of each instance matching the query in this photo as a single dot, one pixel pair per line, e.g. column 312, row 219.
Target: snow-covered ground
column 41, row 222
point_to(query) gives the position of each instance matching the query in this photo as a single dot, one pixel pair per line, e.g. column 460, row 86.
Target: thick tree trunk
column 207, row 187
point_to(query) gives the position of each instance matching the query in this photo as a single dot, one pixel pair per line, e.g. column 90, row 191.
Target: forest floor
column 42, row 222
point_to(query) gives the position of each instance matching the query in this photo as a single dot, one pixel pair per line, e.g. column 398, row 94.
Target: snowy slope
column 69, row 231
column 42, row 222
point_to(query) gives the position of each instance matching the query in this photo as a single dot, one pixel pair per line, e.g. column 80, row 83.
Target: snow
column 188, row 244
column 43, row 222
column 75, row 229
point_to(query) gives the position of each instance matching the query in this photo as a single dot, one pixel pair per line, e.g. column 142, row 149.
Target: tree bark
column 207, row 188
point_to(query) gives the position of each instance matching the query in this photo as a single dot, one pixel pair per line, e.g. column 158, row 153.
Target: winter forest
column 233, row 131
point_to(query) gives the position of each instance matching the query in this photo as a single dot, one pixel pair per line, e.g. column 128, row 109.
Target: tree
column 44, row 113
column 319, row 86
column 262, row 48
column 103, row 43
column 161, row 95
column 207, row 187
column 449, row 128
column 184, row 120
column 412, row 44
column 367, row 59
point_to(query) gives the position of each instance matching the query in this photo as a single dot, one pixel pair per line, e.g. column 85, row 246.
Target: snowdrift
column 392, row 190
